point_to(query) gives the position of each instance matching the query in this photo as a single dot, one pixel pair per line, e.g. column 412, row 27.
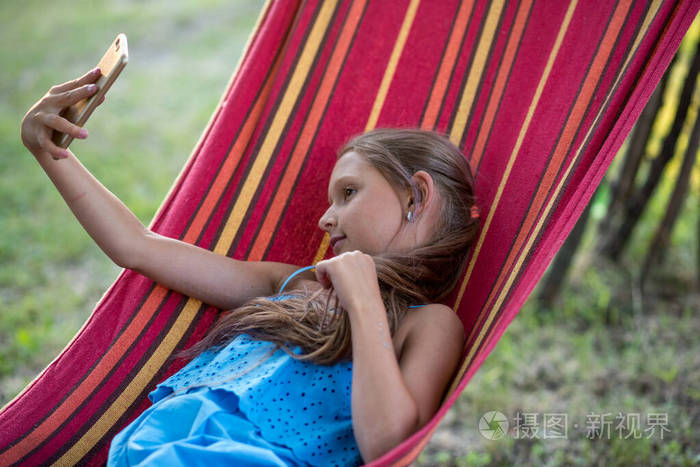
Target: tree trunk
column 621, row 188
column 660, row 242
column 556, row 277
column 639, row 199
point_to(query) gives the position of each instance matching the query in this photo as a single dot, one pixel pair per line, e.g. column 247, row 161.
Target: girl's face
column 366, row 213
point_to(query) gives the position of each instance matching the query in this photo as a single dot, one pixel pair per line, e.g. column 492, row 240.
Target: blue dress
column 249, row 403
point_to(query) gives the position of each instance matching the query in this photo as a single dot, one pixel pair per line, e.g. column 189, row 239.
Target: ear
column 426, row 188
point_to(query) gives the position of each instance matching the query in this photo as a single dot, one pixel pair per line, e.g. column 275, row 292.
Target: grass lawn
column 602, row 351
column 182, row 55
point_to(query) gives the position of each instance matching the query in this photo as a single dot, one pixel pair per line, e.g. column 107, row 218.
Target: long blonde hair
column 314, row 321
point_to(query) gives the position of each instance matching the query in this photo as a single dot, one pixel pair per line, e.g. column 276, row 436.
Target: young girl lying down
column 335, row 364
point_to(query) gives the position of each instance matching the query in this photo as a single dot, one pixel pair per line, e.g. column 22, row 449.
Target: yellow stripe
column 391, row 66
column 203, row 135
column 280, row 119
column 168, row 344
column 126, row 399
column 321, row 252
column 381, row 93
column 656, row 4
column 477, row 69
column 552, row 200
column 501, row 187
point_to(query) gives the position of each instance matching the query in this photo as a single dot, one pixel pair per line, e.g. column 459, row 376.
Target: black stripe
column 578, row 128
column 306, row 160
column 276, row 154
column 477, row 93
column 159, row 376
column 493, row 288
column 470, row 64
column 66, row 446
column 475, row 170
column 612, row 92
column 439, row 67
column 257, row 143
column 76, row 385
column 454, row 70
column 584, row 145
column 235, row 138
column 313, row 139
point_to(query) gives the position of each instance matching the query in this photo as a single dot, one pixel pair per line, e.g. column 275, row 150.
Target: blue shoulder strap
column 294, row 274
column 299, row 271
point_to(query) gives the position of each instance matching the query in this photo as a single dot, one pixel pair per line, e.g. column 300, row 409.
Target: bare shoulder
column 433, row 324
column 433, row 320
column 429, row 350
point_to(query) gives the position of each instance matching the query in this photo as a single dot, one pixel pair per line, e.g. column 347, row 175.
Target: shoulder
column 433, row 323
column 433, row 317
column 429, row 353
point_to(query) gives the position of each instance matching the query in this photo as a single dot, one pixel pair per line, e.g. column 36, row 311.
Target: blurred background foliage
column 601, row 344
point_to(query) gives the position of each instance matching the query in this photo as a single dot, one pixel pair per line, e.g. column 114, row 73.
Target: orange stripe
column 563, row 179
column 448, row 63
column 86, row 387
column 501, row 81
column 381, row 92
column 469, row 346
column 392, row 64
column 115, row 353
column 231, row 162
column 560, row 151
column 652, row 11
column 158, row 358
column 307, row 133
column 409, row 457
column 277, row 125
column 476, row 70
column 143, row 315
column 135, row 387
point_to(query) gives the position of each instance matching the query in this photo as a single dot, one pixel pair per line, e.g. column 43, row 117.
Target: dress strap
column 299, row 271
column 294, row 274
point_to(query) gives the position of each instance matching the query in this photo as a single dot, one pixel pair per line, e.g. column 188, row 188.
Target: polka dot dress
column 300, row 405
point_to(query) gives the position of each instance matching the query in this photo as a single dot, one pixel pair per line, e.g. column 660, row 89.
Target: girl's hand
column 353, row 276
column 44, row 117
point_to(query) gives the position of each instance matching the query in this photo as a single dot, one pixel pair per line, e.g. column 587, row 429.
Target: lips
column 335, row 240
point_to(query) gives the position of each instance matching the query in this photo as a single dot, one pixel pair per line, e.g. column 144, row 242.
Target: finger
column 59, row 123
column 49, row 146
column 72, row 96
column 322, row 276
column 89, row 77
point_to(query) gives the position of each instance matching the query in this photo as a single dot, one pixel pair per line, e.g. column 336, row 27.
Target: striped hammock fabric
column 539, row 95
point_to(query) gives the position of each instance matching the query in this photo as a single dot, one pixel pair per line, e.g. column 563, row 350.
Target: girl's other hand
column 353, row 276
column 44, row 117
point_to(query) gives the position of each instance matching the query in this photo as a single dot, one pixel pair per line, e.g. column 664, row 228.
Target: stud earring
column 409, row 216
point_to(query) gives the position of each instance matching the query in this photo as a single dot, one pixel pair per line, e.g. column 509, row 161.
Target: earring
column 409, row 216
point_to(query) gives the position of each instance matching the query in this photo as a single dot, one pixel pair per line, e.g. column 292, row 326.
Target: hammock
column 539, row 95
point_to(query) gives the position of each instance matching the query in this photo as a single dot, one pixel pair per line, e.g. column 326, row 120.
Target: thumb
column 323, row 276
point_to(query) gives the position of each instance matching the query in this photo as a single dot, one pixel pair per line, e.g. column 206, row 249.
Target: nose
column 327, row 220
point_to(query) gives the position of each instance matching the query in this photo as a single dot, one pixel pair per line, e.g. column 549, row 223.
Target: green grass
column 645, row 364
column 182, row 55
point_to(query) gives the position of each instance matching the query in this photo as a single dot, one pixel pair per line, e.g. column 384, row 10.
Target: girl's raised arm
column 209, row 277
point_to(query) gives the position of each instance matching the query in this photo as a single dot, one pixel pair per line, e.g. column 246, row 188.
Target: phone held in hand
column 112, row 63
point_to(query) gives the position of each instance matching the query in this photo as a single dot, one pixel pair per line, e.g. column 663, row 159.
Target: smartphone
column 112, row 63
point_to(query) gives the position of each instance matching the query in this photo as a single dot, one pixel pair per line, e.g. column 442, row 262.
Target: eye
column 348, row 192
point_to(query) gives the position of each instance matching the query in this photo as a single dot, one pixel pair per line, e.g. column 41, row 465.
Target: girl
column 314, row 366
